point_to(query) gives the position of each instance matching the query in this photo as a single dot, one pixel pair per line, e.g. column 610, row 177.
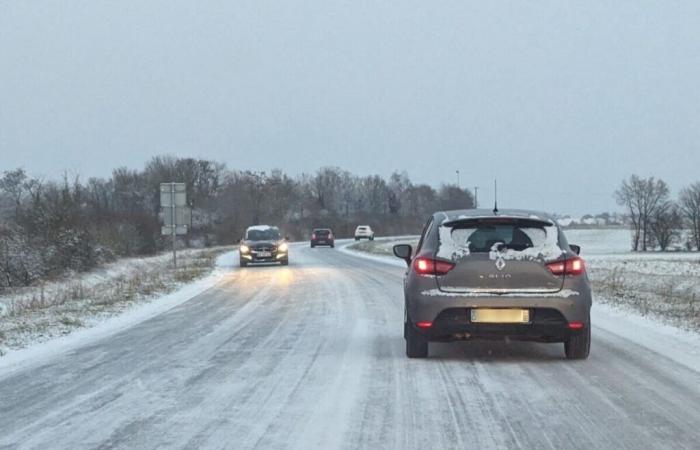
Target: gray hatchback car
column 479, row 274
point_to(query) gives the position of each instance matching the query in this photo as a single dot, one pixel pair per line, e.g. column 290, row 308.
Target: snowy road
column 312, row 355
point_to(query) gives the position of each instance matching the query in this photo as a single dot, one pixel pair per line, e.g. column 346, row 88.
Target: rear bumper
column 549, row 315
column 322, row 242
column 546, row 325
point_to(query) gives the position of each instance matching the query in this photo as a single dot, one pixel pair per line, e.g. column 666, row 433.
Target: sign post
column 177, row 216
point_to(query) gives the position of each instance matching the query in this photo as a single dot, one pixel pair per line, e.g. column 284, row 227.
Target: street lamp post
column 457, row 172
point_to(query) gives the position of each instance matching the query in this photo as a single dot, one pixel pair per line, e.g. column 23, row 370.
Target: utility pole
column 173, row 221
column 476, row 197
column 457, row 172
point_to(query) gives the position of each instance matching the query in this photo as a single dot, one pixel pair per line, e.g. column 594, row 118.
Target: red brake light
column 313, row 235
column 330, row 235
column 572, row 266
column 576, row 325
column 428, row 266
column 424, row 325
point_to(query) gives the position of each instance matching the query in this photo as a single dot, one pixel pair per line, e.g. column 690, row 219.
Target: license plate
column 500, row 315
column 264, row 254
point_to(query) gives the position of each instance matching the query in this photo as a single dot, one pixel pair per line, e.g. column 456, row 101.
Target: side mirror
column 575, row 248
column 403, row 251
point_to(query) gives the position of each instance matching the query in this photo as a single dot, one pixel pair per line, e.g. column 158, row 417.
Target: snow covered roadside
column 654, row 332
column 379, row 250
column 112, row 297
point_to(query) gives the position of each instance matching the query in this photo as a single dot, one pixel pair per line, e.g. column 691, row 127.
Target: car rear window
column 322, row 232
column 512, row 239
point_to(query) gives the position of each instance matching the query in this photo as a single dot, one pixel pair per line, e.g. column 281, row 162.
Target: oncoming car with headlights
column 263, row 244
column 478, row 274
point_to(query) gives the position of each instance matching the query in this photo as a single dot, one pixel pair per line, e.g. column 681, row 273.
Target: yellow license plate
column 500, row 315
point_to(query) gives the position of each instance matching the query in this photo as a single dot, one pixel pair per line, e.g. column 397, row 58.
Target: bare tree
column 689, row 201
column 49, row 227
column 666, row 224
column 642, row 197
column 16, row 185
column 453, row 197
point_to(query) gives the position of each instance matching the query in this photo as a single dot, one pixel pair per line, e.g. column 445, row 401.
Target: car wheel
column 371, row 238
column 332, row 245
column 285, row 262
column 312, row 246
column 416, row 345
column 357, row 238
column 243, row 263
column 579, row 345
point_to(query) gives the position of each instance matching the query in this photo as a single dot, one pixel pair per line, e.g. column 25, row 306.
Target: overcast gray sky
column 559, row 100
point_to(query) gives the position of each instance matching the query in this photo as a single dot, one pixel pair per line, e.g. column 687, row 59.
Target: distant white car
column 364, row 232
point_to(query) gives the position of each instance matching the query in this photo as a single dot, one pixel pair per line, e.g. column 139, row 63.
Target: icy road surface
column 312, row 356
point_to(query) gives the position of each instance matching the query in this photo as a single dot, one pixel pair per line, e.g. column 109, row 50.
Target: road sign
column 182, row 216
column 176, row 215
column 173, row 193
column 179, row 230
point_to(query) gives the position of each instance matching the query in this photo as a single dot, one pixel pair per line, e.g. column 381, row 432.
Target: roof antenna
column 495, row 196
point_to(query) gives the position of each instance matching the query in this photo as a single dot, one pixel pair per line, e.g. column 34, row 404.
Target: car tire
column 285, row 262
column 332, row 245
column 242, row 263
column 579, row 345
column 416, row 345
column 312, row 246
column 371, row 238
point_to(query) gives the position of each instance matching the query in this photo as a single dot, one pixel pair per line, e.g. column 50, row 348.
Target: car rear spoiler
column 498, row 220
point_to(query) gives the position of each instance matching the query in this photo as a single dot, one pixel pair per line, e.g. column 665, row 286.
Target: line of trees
column 49, row 227
column 656, row 220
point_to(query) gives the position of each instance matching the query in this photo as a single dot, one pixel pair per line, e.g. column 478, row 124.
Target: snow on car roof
column 261, row 228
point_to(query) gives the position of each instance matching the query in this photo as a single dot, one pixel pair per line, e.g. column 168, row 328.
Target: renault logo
column 500, row 263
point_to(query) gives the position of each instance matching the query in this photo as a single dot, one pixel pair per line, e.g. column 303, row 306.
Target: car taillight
column 330, row 235
column 576, row 325
column 428, row 266
column 572, row 266
column 313, row 235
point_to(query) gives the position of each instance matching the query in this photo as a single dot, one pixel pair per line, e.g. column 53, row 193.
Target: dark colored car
column 263, row 244
column 510, row 274
column 322, row 236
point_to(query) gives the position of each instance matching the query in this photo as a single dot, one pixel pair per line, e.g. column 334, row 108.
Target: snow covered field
column 40, row 313
column 660, row 285
column 664, row 286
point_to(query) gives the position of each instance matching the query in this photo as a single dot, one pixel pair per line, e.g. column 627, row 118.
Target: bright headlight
column 283, row 247
column 244, row 249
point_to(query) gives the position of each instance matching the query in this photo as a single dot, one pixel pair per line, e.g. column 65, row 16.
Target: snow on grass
column 658, row 285
column 37, row 354
column 40, row 313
